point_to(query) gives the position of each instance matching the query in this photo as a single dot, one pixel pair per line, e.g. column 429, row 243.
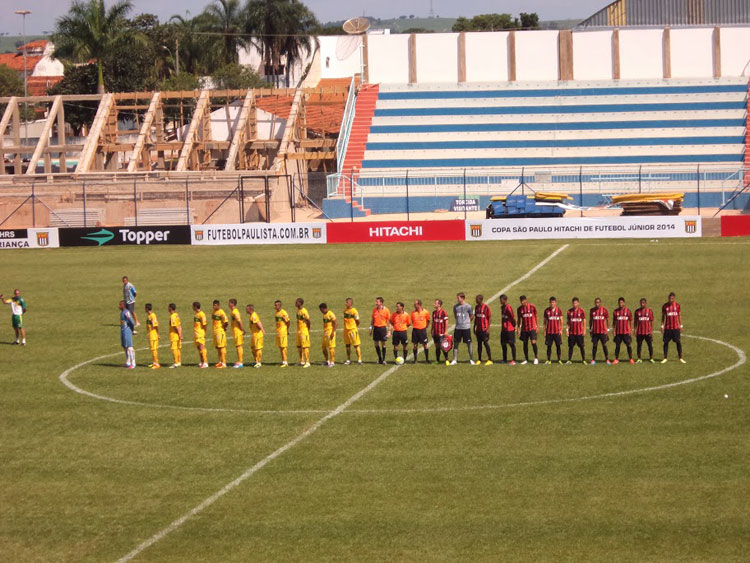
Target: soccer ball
column 399, row 360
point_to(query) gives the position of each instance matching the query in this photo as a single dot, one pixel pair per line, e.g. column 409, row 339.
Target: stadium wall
column 541, row 55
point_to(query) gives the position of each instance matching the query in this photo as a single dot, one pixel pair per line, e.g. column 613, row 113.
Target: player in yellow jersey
column 256, row 331
column 220, row 324
column 175, row 335
column 351, row 332
column 152, row 329
column 330, row 324
column 282, row 330
column 199, row 334
column 303, row 333
column 238, row 332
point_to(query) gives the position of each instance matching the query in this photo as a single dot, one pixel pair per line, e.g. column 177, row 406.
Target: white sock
column 131, row 356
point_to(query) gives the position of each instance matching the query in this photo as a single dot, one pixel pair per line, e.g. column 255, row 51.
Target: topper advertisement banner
column 652, row 227
column 118, row 236
column 259, row 233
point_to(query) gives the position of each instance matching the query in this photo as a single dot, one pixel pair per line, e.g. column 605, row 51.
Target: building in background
column 630, row 13
column 42, row 71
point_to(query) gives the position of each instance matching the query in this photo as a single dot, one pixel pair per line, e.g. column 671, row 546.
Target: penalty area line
column 160, row 535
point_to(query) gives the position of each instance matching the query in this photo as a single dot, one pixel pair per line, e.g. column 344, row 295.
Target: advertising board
column 395, row 231
column 29, row 238
column 259, row 233
column 118, row 236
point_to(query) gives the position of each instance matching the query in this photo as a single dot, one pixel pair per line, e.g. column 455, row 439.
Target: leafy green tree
column 234, row 76
column 11, row 83
column 529, row 21
column 197, row 51
column 79, row 79
column 496, row 22
column 284, row 29
column 178, row 82
column 90, row 31
column 227, row 19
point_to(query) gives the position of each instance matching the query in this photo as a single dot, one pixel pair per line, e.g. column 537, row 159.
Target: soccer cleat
column 359, row 362
column 631, row 361
column 512, row 363
column 220, row 365
column 447, row 363
column 473, row 363
column 615, row 361
column 131, row 367
column 257, row 365
column 536, row 361
column 609, row 363
column 330, row 364
column 134, row 332
column 547, row 363
column 638, row 361
column 454, row 362
column 488, row 363
column 306, row 365
column 155, row 366
column 347, row 362
column 664, row 361
column 652, row 360
column 16, row 342
column 23, row 342
column 174, row 366
column 238, row 365
column 568, row 363
column 560, row 362
column 682, row 361
column 284, row 365
column 593, row 363
column 523, row 363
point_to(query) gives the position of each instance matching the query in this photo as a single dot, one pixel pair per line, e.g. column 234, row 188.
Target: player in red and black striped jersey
column 528, row 325
column 482, row 316
column 576, row 329
column 644, row 328
column 622, row 317
column 508, row 329
column 553, row 320
column 671, row 326
column 439, row 328
column 599, row 327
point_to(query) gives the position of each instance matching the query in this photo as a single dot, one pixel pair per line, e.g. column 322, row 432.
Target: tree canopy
column 496, row 22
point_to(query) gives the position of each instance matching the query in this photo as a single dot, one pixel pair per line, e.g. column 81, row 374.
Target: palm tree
column 90, row 31
column 226, row 17
column 283, row 28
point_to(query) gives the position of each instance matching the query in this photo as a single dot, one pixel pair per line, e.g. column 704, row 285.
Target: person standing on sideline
column 303, row 333
column 576, row 329
column 439, row 328
column 508, row 330
column 238, row 332
column 464, row 315
column 126, row 335
column 257, row 331
column 128, row 295
column 175, row 336
column 644, row 329
column 17, row 310
column 553, row 329
column 400, row 321
column 528, row 325
column 599, row 326
column 152, row 331
column 381, row 316
column 220, row 324
column 351, row 332
column 622, row 318
column 420, row 320
column 282, row 331
column 671, row 326
column 330, row 324
column 199, row 334
column 482, row 317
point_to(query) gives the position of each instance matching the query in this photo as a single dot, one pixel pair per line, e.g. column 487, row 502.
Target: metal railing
column 346, row 125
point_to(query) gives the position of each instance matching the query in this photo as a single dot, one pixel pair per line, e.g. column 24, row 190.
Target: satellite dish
column 356, row 26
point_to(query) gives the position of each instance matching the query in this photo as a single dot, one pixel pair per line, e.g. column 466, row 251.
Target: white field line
column 305, row 434
column 741, row 359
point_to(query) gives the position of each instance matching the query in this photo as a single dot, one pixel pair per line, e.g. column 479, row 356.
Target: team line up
column 385, row 326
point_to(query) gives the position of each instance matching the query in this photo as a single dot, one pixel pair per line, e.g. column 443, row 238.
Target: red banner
column 735, row 225
column 395, row 231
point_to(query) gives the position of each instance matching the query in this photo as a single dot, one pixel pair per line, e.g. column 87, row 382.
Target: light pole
column 23, row 14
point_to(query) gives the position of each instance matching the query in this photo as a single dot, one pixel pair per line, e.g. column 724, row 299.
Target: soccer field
column 413, row 463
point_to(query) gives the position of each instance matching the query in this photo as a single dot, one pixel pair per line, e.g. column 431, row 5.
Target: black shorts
column 400, row 337
column 623, row 338
column 528, row 335
column 437, row 339
column 461, row 335
column 482, row 336
column 672, row 334
column 419, row 335
column 641, row 337
column 603, row 338
column 508, row 337
column 575, row 340
column 380, row 333
column 550, row 339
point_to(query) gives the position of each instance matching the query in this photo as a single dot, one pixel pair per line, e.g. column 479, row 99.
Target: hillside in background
column 399, row 25
column 8, row 42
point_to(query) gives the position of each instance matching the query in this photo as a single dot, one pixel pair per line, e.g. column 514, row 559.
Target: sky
column 45, row 12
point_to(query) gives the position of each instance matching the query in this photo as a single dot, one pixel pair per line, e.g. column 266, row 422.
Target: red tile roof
column 38, row 85
column 38, row 44
column 15, row 61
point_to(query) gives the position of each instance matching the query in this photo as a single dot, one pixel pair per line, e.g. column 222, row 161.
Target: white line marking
column 741, row 359
column 308, row 432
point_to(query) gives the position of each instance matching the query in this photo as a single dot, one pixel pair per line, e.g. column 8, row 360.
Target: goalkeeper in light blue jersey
column 126, row 335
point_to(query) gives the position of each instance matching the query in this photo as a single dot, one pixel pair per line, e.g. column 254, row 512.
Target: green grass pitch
column 413, row 470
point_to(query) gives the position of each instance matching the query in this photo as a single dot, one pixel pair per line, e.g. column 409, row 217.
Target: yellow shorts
column 351, row 337
column 303, row 340
column 281, row 340
column 329, row 341
column 256, row 342
column 175, row 343
column 199, row 339
column 238, row 337
column 220, row 339
column 153, row 344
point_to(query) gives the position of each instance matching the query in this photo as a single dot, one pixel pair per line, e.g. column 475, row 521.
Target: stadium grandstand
column 622, row 13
